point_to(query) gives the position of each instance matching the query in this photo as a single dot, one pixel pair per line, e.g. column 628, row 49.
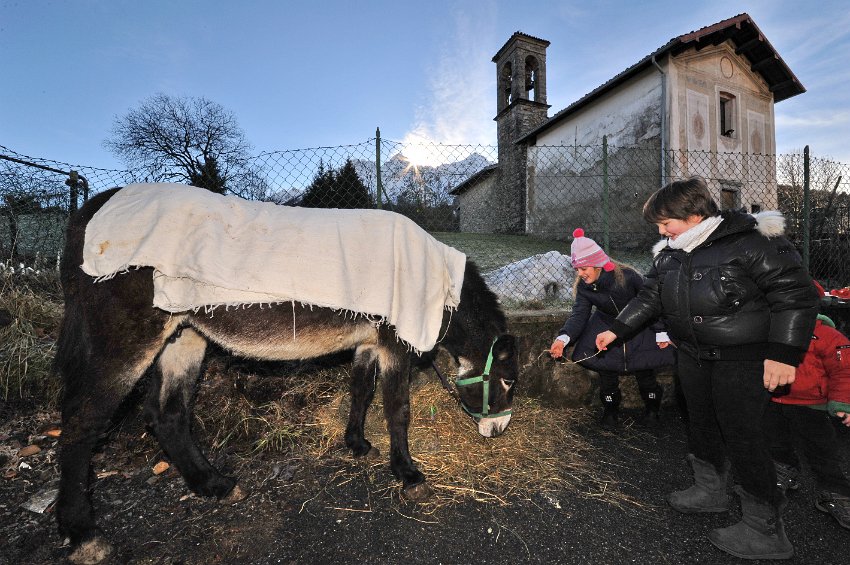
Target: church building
column 695, row 106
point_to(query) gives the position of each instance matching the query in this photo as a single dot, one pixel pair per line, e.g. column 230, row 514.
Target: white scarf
column 690, row 239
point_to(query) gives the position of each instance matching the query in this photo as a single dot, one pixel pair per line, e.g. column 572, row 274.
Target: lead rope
column 565, row 360
column 545, row 351
column 445, row 383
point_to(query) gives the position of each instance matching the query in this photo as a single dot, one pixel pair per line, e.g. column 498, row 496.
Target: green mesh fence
column 517, row 228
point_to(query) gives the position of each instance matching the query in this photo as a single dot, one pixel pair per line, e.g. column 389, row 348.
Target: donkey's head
column 486, row 385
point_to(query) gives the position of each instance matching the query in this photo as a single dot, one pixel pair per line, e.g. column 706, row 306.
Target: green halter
column 484, row 379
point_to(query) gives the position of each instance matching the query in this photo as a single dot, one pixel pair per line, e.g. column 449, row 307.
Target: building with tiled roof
column 711, row 90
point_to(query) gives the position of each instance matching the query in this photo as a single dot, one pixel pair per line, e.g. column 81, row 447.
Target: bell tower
column 520, row 107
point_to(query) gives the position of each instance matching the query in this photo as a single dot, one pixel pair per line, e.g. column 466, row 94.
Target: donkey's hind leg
column 95, row 385
column 169, row 412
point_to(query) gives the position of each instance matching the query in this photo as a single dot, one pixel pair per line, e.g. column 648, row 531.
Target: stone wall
column 565, row 384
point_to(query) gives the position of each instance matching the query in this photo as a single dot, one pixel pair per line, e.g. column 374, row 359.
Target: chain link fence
column 518, row 235
column 36, row 196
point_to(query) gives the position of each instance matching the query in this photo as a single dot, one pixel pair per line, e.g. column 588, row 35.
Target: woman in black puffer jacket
column 740, row 309
column 603, row 288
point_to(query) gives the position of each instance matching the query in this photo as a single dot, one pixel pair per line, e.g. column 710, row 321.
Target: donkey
column 111, row 337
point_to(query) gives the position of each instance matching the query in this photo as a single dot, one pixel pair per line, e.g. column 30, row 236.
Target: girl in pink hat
column 603, row 287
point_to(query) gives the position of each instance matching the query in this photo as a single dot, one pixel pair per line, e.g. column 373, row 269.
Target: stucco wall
column 565, row 168
column 629, row 116
column 741, row 162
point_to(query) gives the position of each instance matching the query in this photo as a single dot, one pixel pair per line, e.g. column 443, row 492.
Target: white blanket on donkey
column 209, row 250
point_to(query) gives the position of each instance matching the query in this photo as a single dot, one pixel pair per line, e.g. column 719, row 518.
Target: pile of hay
column 539, row 454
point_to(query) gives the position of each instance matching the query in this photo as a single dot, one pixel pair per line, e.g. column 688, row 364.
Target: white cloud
column 817, row 119
column 461, row 103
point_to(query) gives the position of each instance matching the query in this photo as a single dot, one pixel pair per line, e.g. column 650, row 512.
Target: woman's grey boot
column 759, row 535
column 708, row 493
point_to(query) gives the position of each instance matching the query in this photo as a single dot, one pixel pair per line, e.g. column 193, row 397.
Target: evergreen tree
column 350, row 190
column 318, row 193
column 337, row 189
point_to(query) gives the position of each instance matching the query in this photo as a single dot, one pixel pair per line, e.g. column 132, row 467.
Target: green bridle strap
column 484, row 379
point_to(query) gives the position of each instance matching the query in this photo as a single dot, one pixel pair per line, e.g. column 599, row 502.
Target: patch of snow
column 548, row 275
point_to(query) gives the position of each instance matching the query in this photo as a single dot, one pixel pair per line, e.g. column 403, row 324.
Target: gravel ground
column 337, row 510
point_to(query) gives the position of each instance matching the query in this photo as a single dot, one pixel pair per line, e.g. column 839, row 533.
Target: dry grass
column 27, row 344
column 539, row 454
column 268, row 413
column 542, row 452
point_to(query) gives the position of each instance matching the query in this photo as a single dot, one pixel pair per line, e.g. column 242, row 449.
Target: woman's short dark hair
column 679, row 200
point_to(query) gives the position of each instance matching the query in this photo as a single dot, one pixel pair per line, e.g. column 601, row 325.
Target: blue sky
column 311, row 73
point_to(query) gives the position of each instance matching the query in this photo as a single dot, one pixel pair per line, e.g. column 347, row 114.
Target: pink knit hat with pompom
column 585, row 252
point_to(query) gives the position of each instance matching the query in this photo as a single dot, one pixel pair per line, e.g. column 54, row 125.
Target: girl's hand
column 557, row 349
column 663, row 344
column 845, row 418
column 603, row 339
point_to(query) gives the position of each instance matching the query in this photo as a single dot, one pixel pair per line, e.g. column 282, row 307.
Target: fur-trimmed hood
column 770, row 223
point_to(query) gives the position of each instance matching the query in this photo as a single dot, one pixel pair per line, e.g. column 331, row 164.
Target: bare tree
column 824, row 177
column 183, row 139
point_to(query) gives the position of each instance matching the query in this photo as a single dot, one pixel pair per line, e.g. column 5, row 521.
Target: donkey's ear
column 505, row 347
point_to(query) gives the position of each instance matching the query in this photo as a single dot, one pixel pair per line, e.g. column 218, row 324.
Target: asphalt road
column 325, row 513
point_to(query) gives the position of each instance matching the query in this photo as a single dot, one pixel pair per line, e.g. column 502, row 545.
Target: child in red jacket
column 821, row 389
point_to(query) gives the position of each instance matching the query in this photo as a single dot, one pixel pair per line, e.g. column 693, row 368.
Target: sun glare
column 420, row 151
column 420, row 155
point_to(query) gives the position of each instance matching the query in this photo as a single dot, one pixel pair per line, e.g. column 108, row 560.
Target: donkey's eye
column 508, row 382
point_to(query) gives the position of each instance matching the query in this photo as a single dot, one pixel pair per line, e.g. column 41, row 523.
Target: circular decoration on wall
column 726, row 67
column 698, row 126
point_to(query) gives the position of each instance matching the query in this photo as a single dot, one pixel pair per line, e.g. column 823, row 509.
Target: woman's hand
column 603, row 339
column 845, row 418
column 778, row 374
column 662, row 344
column 557, row 349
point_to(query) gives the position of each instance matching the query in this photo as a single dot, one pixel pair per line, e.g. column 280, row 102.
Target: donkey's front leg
column 364, row 373
column 396, row 391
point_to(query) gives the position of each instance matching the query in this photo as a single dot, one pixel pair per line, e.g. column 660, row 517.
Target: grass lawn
column 491, row 251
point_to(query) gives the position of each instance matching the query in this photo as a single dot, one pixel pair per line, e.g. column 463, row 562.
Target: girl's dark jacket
column 741, row 294
column 595, row 308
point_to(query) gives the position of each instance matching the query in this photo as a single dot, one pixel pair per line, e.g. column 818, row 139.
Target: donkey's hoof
column 418, row 492
column 235, row 495
column 91, row 551
column 374, row 454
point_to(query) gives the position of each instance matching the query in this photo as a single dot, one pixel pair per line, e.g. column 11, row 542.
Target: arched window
column 728, row 114
column 532, row 68
column 505, row 81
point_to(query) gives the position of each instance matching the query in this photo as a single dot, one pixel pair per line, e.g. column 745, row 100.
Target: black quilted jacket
column 741, row 294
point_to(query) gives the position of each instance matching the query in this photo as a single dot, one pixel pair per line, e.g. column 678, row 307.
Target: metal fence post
column 73, row 192
column 379, row 187
column 605, row 214
column 806, row 207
